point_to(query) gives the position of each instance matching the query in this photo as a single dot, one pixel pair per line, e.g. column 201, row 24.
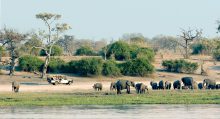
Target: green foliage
column 137, row 67
column 179, row 66
column 30, row 63
column 216, row 54
column 145, row 53
column 84, row 50
column 28, row 47
column 119, row 50
column 56, row 51
column 110, row 69
column 90, row 67
column 197, row 48
column 2, row 51
column 56, row 65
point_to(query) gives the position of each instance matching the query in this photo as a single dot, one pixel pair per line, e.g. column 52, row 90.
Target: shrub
column 197, row 48
column 85, row 51
column 119, row 50
column 179, row 66
column 90, row 67
column 216, row 54
column 56, row 65
column 145, row 53
column 30, row 63
column 110, row 69
column 56, row 51
column 137, row 67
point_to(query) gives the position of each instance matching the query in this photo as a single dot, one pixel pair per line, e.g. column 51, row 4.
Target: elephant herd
column 188, row 83
column 184, row 83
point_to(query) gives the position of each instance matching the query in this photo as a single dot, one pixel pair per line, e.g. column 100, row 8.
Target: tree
column 68, row 44
column 188, row 36
column 85, row 50
column 27, row 47
column 51, row 36
column 11, row 38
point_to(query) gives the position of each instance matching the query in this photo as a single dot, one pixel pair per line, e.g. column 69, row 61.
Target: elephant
column 168, row 85
column 185, row 87
column 177, row 84
column 188, row 81
column 195, row 85
column 161, row 85
column 140, row 88
column 217, row 86
column 97, row 86
column 154, row 85
column 209, row 84
column 200, row 86
column 15, row 86
column 113, row 86
column 124, row 84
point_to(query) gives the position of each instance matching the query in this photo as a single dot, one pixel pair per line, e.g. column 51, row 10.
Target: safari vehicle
column 58, row 79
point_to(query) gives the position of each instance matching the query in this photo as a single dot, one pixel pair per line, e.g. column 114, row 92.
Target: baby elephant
column 140, row 88
column 97, row 86
column 15, row 86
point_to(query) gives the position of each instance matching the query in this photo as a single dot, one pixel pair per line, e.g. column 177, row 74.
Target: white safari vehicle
column 58, row 79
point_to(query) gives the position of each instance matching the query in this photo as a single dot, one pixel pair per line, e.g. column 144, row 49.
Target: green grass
column 110, row 98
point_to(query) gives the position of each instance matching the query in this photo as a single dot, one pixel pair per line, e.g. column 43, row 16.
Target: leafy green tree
column 55, row 51
column 120, row 50
column 85, row 50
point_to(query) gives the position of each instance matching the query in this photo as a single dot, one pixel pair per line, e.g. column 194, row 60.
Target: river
column 114, row 112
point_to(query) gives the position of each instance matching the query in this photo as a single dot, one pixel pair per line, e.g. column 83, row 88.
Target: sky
column 110, row 19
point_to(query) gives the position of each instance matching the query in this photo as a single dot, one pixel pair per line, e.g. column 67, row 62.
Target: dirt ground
column 32, row 83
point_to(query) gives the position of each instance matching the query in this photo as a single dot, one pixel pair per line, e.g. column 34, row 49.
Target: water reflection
column 114, row 112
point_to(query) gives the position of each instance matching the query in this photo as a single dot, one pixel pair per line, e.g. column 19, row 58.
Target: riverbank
column 110, row 98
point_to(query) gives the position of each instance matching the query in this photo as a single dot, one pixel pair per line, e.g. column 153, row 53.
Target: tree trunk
column 186, row 50
column 46, row 63
column 105, row 56
column 12, row 67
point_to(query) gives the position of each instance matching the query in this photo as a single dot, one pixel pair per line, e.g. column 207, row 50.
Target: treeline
column 69, row 45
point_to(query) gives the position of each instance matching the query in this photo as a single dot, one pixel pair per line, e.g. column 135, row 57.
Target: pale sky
column 96, row 19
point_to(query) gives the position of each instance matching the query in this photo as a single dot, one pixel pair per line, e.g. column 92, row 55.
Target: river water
column 113, row 112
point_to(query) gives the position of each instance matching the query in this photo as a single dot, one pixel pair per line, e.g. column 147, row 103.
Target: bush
column 137, row 67
column 56, row 51
column 110, row 69
column 85, row 51
column 119, row 50
column 30, row 63
column 145, row 53
column 179, row 66
column 197, row 48
column 90, row 67
column 216, row 54
column 56, row 65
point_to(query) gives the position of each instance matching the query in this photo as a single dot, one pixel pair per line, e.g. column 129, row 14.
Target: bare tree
column 188, row 36
column 11, row 38
column 51, row 36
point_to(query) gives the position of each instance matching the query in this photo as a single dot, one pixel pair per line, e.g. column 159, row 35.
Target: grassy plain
column 110, row 98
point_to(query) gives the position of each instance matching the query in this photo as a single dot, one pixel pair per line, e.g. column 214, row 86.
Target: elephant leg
column 128, row 89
